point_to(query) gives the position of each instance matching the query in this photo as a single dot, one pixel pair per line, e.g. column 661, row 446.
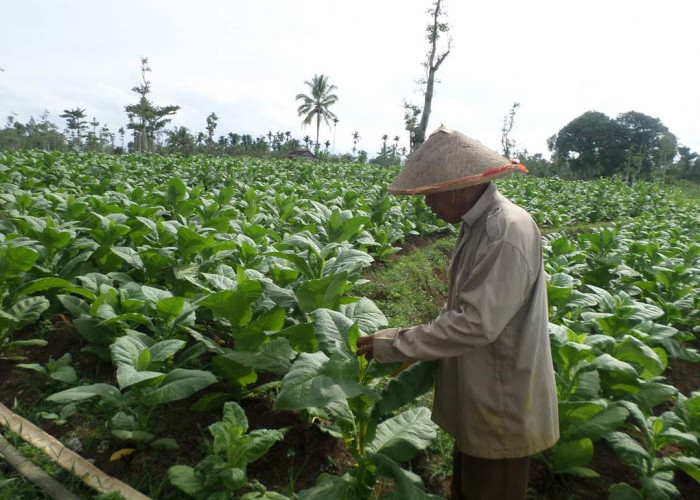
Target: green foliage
column 223, row 471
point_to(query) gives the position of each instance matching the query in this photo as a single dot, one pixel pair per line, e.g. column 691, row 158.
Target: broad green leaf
column 75, row 305
column 306, row 385
column 368, row 316
column 179, row 384
column 128, row 255
column 301, row 337
column 322, row 293
column 85, row 392
column 234, row 372
column 573, row 453
column 44, row 284
column 16, row 260
column 253, row 335
column 689, row 465
column 335, row 332
column 235, row 306
column 274, row 357
column 623, row 491
column 400, row 437
column 170, row 307
column 185, row 478
column 165, row 349
column 412, row 382
column 659, row 489
column 329, row 486
column 409, row 485
column 601, row 424
column 630, row 451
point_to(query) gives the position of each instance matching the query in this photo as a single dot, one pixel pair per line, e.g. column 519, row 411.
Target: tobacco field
column 191, row 322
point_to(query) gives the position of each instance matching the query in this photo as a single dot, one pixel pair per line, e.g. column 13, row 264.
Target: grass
column 412, row 287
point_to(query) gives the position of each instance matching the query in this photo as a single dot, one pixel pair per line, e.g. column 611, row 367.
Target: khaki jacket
column 494, row 391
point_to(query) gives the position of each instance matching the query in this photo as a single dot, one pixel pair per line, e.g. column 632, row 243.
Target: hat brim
column 462, row 182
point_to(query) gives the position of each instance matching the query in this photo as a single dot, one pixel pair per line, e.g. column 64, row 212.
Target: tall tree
column 508, row 123
column 75, row 123
column 316, row 105
column 434, row 59
column 592, row 144
column 212, row 120
column 146, row 119
column 650, row 145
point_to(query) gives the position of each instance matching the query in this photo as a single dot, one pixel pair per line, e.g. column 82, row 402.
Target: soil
column 684, row 376
column 291, row 464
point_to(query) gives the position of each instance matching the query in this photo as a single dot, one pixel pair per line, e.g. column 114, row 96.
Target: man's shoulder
column 506, row 220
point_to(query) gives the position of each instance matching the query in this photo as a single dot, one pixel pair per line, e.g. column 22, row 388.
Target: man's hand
column 365, row 347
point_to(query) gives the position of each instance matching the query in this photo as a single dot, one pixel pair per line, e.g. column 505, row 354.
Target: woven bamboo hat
column 449, row 160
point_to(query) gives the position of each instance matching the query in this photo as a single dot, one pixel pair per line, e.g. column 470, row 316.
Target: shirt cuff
column 384, row 350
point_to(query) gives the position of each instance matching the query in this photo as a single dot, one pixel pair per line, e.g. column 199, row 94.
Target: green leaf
column 165, row 349
column 630, row 451
column 43, row 284
column 170, row 307
column 177, row 191
column 179, row 384
column 85, row 392
column 301, row 337
column 400, row 437
column 409, row 486
column 307, row 384
column 322, row 293
column 74, row 305
column 274, row 357
column 329, row 486
column 574, row 453
column 412, row 382
column 368, row 316
column 335, row 332
column 659, row 489
column 128, row 255
column 235, row 306
column 623, row 491
column 689, row 465
column 184, row 478
column 16, row 260
column 601, row 424
column 253, row 336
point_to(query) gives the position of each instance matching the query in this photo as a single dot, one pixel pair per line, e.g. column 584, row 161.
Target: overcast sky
column 247, row 60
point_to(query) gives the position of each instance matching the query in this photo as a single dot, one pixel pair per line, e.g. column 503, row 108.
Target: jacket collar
column 474, row 213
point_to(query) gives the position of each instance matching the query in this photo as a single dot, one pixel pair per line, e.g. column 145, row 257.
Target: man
column 494, row 389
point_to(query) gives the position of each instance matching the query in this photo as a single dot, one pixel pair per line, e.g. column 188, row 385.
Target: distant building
column 302, row 153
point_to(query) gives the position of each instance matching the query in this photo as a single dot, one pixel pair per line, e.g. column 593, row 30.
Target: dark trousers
column 484, row 479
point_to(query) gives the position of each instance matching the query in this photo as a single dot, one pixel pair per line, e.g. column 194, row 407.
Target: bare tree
column 435, row 30
column 508, row 123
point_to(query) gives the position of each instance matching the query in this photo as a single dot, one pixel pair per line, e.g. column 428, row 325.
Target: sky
column 246, row 60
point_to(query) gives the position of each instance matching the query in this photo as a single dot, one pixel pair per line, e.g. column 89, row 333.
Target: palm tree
column 355, row 140
column 317, row 104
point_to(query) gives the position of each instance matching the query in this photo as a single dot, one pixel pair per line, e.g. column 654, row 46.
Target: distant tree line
column 633, row 146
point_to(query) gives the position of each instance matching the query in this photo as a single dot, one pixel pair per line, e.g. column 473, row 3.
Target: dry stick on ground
column 33, row 473
column 66, row 458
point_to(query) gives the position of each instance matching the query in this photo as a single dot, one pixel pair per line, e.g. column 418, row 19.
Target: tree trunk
column 418, row 136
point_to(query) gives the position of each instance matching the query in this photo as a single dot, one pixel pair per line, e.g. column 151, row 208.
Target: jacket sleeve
column 497, row 287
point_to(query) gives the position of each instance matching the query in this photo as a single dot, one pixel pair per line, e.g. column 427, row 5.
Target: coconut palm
column 317, row 104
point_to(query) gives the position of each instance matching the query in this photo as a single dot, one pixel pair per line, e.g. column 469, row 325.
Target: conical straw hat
column 449, row 160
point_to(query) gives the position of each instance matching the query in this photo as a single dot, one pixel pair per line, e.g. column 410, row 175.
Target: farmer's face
column 450, row 206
